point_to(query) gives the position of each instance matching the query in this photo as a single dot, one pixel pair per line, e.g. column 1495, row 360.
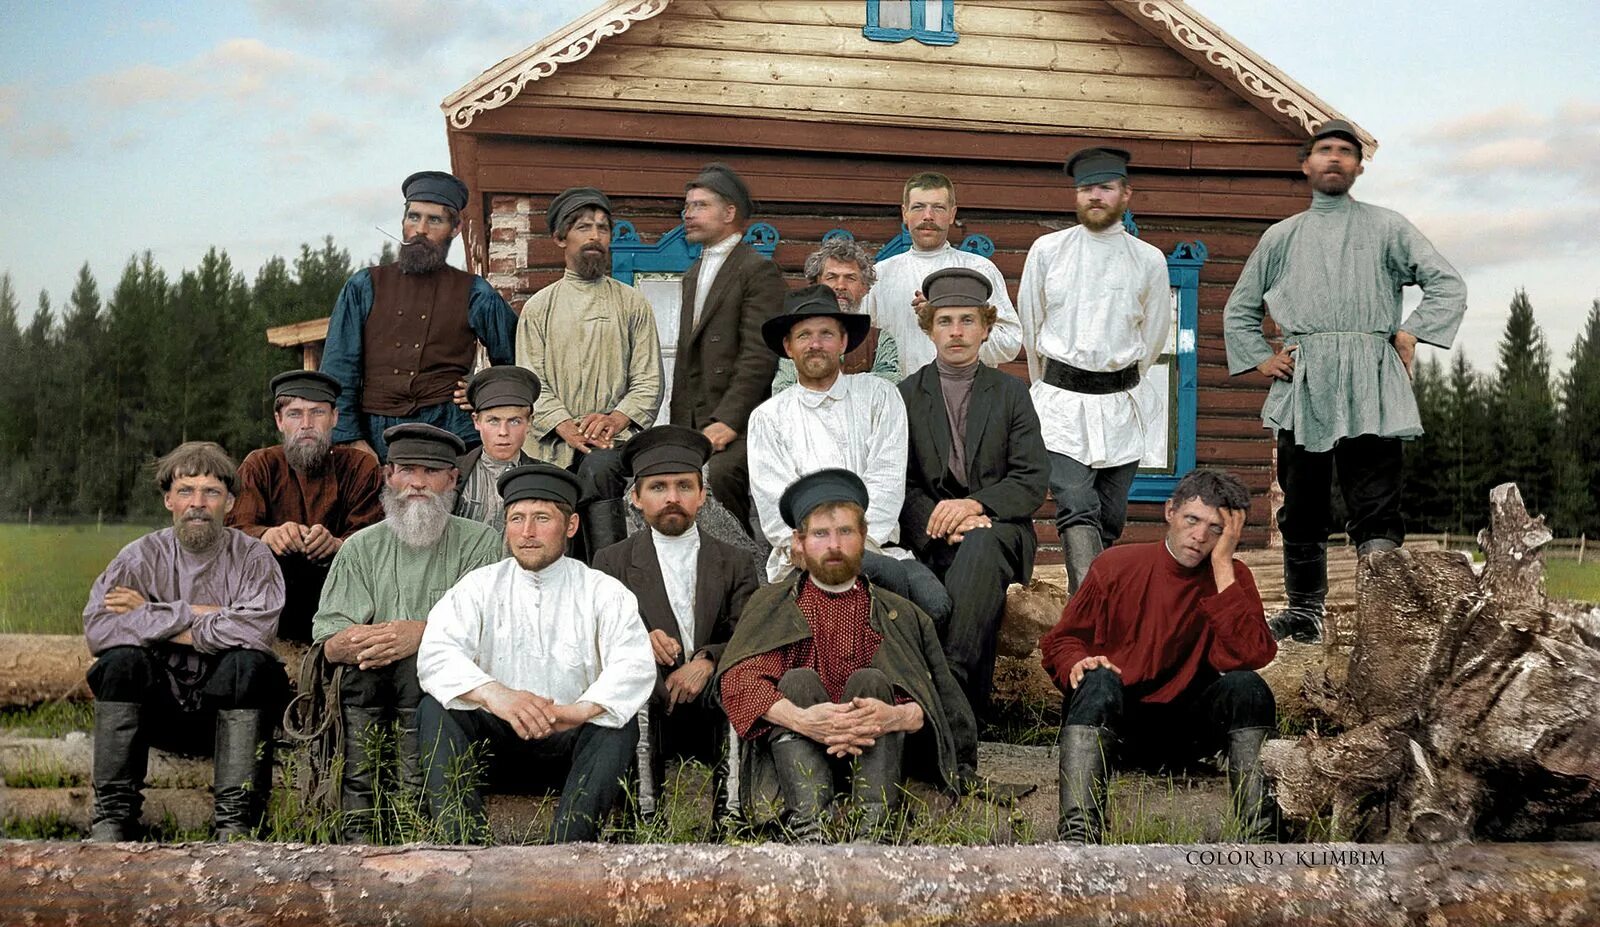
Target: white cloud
column 238, row 69
column 10, row 97
column 44, row 142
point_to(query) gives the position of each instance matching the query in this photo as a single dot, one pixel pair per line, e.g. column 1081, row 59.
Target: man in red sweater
column 1161, row 644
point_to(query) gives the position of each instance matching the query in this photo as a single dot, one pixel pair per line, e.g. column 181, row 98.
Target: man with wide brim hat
column 502, row 399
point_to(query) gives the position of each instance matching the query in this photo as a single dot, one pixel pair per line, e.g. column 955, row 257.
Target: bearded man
column 303, row 498
column 844, row 266
column 383, row 583
column 404, row 336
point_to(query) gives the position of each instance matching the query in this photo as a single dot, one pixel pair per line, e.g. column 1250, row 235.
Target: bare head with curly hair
column 844, row 266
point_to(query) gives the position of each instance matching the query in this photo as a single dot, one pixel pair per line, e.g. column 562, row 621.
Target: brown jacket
column 723, row 368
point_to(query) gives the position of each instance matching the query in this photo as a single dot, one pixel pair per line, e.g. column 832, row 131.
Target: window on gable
column 931, row 22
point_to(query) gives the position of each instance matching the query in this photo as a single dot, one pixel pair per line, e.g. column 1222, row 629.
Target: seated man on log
column 691, row 588
column 977, row 471
column 541, row 660
column 382, row 585
column 1159, row 646
column 827, row 674
column 502, row 399
column 181, row 625
column 306, row 496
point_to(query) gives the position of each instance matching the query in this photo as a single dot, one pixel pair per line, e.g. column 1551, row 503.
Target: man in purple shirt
column 181, row 624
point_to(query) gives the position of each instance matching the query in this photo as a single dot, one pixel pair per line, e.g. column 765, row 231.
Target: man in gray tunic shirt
column 1341, row 387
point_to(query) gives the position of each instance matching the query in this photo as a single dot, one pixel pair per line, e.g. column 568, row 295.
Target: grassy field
column 46, row 572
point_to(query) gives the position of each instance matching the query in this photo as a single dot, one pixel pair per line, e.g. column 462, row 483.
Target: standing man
column 502, row 399
column 404, row 336
column 306, row 496
column 723, row 368
column 691, row 588
column 844, row 266
column 379, row 592
column 1341, row 387
column 928, row 209
column 542, row 660
column 1161, row 645
column 1096, row 306
column 180, row 625
column 976, row 473
column 592, row 342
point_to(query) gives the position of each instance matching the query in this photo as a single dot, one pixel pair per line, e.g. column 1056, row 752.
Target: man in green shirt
column 1341, row 387
column 380, row 588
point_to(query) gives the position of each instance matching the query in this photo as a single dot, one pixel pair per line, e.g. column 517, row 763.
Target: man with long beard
column 592, row 342
column 383, row 582
column 1096, row 307
column 306, row 496
column 1341, row 396
column 540, row 659
column 404, row 336
column 827, row 670
column 181, row 626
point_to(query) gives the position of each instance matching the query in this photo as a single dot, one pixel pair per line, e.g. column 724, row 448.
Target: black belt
column 1093, row 382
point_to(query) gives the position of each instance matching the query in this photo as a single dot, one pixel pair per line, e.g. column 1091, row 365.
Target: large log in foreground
column 46, row 884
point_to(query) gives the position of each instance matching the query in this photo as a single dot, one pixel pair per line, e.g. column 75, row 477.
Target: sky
column 262, row 124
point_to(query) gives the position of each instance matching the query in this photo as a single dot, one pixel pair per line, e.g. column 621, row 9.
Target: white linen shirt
column 712, row 257
column 889, row 304
column 679, row 557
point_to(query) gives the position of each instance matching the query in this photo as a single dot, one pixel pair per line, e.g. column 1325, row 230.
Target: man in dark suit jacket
column 976, row 471
column 691, row 588
column 723, row 368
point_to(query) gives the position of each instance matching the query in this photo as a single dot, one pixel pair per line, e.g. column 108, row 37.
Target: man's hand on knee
column 1087, row 664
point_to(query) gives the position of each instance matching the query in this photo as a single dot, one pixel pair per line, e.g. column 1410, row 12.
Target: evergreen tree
column 79, row 443
column 16, row 409
column 1524, row 411
column 1465, row 446
column 1579, row 471
column 1427, row 459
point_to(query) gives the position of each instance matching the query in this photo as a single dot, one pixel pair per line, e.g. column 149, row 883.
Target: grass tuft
column 47, row 719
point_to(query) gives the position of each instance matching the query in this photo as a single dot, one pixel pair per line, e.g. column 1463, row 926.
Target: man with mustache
column 830, row 419
column 306, row 496
column 691, row 588
column 928, row 209
column 181, row 628
column 1341, row 394
column 592, row 342
column 383, row 582
column 404, row 336
column 502, row 401
column 1159, row 648
column 539, row 662
column 829, row 675
column 1096, row 307
column 976, row 472
column 845, row 267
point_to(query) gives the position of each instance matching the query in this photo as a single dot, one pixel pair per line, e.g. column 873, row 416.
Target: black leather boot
column 1080, row 545
column 1305, row 583
column 120, row 758
column 356, row 783
column 1084, row 768
column 806, row 782
column 1248, row 783
column 604, row 522
column 875, row 787
column 243, row 771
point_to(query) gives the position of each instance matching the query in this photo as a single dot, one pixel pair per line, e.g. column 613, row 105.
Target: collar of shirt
column 689, row 538
column 723, row 246
column 1113, row 231
column 931, row 253
column 812, row 399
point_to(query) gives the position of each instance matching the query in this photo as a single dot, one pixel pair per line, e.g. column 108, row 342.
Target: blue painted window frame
column 977, row 244
column 919, row 25
column 671, row 253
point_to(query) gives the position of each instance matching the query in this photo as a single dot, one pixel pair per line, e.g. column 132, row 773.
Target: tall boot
column 408, row 756
column 1305, row 583
column 356, row 785
column 243, row 771
column 875, row 787
column 1248, row 783
column 806, row 782
column 1084, row 767
column 120, row 757
column 604, row 522
column 1081, row 544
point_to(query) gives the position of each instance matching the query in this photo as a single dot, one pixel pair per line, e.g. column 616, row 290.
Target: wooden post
column 1583, row 541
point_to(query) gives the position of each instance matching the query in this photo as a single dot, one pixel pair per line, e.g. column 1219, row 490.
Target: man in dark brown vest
column 404, row 336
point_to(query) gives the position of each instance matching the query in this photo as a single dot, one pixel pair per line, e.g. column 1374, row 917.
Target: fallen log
column 38, row 668
column 46, row 884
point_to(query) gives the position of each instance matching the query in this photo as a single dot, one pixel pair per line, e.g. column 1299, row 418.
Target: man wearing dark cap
column 502, row 400
column 721, row 369
column 306, row 496
column 976, row 472
column 542, row 661
column 828, row 674
column 404, row 336
column 592, row 342
column 1341, row 392
column 1096, row 306
column 829, row 419
column 383, row 582
column 691, row 588
column 845, row 266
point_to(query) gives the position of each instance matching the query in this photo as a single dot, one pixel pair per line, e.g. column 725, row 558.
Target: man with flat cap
column 306, row 496
column 827, row 675
column 592, row 341
column 830, row 419
column 542, row 661
column 722, row 369
column 1341, row 395
column 383, row 583
column 976, row 472
column 502, row 399
column 404, row 336
column 691, row 588
column 1096, row 306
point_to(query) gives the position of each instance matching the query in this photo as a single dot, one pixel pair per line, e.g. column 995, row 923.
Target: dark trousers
column 386, row 688
column 1193, row 724
column 728, row 475
column 695, row 730
column 446, row 415
column 804, row 688
column 1092, row 496
column 302, row 587
column 601, row 475
column 911, row 580
column 595, row 761
column 179, row 714
column 1370, row 479
column 976, row 573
